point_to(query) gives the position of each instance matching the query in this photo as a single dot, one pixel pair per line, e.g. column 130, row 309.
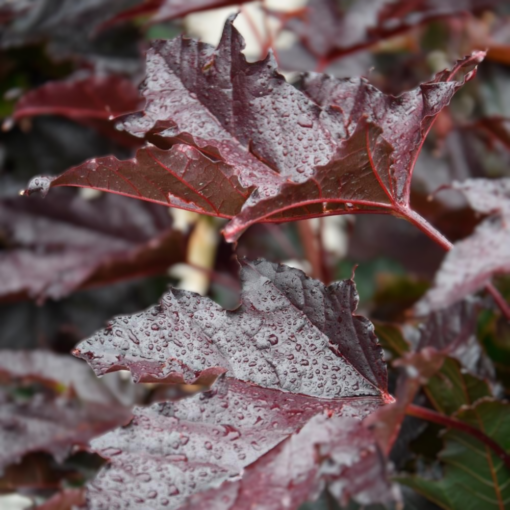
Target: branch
column 453, row 423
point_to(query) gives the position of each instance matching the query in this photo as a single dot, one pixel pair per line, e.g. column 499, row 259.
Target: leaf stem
column 453, row 423
column 421, row 223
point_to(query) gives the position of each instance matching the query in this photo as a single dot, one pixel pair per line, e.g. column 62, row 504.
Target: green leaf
column 474, row 477
column 452, row 387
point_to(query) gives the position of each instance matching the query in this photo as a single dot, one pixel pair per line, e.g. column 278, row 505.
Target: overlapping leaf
column 72, row 30
column 331, row 28
column 53, row 249
column 291, row 332
column 293, row 350
column 474, row 477
column 47, row 418
column 247, row 437
column 245, row 144
column 94, row 101
column 62, row 373
column 472, row 262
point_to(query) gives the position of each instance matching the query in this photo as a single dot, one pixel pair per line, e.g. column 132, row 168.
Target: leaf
column 245, row 144
column 94, row 101
column 444, row 338
column 34, row 420
column 474, row 477
column 58, row 372
column 59, row 247
column 71, row 29
column 290, row 332
column 330, row 29
column 246, row 436
column 472, row 262
column 64, row 500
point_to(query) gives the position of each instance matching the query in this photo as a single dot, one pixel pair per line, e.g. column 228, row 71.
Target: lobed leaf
column 290, row 333
column 269, row 448
column 233, row 139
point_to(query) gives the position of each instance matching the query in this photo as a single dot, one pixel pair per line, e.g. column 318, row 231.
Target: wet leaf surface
column 291, row 333
column 248, row 145
column 243, row 435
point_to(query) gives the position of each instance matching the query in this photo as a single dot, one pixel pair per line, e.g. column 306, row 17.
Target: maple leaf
column 291, row 332
column 329, row 29
column 268, row 446
column 56, row 248
column 245, row 144
column 94, row 101
column 293, row 350
column 472, row 262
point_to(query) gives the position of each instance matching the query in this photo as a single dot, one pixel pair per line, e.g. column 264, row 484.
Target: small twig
column 453, row 423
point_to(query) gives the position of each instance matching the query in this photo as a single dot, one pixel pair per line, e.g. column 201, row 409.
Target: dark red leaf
column 65, row 500
column 51, row 422
column 246, row 436
column 56, row 371
column 472, row 262
column 93, row 97
column 247, row 144
column 290, row 333
column 94, row 101
column 59, row 247
column 330, row 28
column 71, row 29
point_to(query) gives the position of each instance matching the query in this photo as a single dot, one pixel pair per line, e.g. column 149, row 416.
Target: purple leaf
column 248, row 145
column 329, row 31
column 290, row 333
column 472, row 262
column 55, row 371
column 55, row 248
column 247, row 437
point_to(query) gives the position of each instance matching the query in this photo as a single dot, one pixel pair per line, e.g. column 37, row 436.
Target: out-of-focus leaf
column 50, row 422
column 72, row 30
column 94, row 101
column 474, row 477
column 65, row 500
column 59, row 372
column 244, row 148
column 177, row 455
column 330, row 29
column 291, row 332
column 472, row 262
column 56, row 248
